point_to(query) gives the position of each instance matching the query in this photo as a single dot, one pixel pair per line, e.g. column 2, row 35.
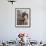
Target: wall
column 8, row 31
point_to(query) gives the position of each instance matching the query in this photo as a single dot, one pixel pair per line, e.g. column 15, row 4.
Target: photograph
column 22, row 17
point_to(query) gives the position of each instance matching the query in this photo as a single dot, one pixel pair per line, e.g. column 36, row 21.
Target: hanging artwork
column 22, row 17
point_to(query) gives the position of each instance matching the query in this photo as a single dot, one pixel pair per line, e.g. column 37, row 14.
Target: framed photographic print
column 22, row 17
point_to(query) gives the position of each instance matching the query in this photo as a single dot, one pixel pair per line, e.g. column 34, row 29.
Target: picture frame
column 22, row 17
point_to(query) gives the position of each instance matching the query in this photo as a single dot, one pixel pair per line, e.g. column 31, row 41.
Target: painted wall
column 8, row 31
